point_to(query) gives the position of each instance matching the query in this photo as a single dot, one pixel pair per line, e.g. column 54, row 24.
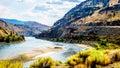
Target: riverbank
column 84, row 46
column 15, row 42
column 29, row 56
column 32, row 49
column 71, row 41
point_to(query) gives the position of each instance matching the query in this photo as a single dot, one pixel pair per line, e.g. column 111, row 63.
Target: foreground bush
column 74, row 60
column 10, row 64
column 45, row 62
column 87, row 59
column 94, row 58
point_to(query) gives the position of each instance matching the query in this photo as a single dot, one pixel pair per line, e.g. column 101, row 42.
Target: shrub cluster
column 105, row 44
column 87, row 59
column 9, row 39
column 93, row 58
column 45, row 62
column 115, row 40
column 94, row 38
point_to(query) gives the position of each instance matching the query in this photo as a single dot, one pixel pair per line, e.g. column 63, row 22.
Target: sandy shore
column 43, row 50
column 84, row 46
column 28, row 56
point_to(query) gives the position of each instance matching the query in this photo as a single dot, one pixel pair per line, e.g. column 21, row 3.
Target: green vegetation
column 105, row 52
column 16, row 62
column 45, row 62
column 87, row 59
column 104, row 44
column 8, row 36
column 9, row 39
column 115, row 40
column 10, row 64
column 94, row 58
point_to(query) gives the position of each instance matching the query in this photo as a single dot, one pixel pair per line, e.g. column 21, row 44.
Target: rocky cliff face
column 88, row 13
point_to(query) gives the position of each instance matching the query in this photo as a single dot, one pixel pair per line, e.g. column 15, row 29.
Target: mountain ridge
column 88, row 13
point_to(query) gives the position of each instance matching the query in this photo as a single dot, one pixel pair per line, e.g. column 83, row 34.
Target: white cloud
column 30, row 1
column 5, row 12
column 47, row 11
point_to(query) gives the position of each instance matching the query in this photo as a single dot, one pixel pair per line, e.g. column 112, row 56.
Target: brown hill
column 87, row 15
column 26, row 28
column 8, row 36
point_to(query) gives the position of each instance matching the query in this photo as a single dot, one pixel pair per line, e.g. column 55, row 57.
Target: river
column 8, row 50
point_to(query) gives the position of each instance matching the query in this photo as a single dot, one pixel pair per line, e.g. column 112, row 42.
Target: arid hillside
column 99, row 16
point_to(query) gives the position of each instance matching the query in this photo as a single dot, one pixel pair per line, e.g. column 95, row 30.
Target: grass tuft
column 10, row 64
column 45, row 62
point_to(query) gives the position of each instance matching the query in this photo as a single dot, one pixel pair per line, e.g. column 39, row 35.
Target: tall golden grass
column 44, row 62
column 87, row 59
column 10, row 64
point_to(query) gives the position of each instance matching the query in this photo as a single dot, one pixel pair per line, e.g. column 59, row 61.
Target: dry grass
column 97, row 17
column 87, row 59
column 10, row 64
column 45, row 62
column 94, row 58
column 22, row 57
column 74, row 60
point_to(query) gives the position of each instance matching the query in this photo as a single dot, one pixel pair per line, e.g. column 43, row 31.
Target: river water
column 7, row 50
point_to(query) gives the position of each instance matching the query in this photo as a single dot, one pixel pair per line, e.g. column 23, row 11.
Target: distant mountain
column 36, row 25
column 26, row 28
column 10, row 26
column 84, row 18
column 12, row 21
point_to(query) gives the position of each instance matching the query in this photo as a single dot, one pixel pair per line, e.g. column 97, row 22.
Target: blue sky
column 43, row 11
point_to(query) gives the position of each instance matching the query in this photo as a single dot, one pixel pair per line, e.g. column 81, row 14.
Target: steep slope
column 10, row 26
column 82, row 18
column 26, row 28
column 6, row 32
column 8, row 36
column 19, row 31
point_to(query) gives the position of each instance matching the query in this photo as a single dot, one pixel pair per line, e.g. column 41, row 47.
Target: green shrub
column 9, row 39
column 103, row 42
column 87, row 59
column 90, row 58
column 73, row 60
column 45, row 62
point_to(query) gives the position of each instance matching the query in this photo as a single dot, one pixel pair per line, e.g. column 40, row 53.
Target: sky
column 43, row 11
